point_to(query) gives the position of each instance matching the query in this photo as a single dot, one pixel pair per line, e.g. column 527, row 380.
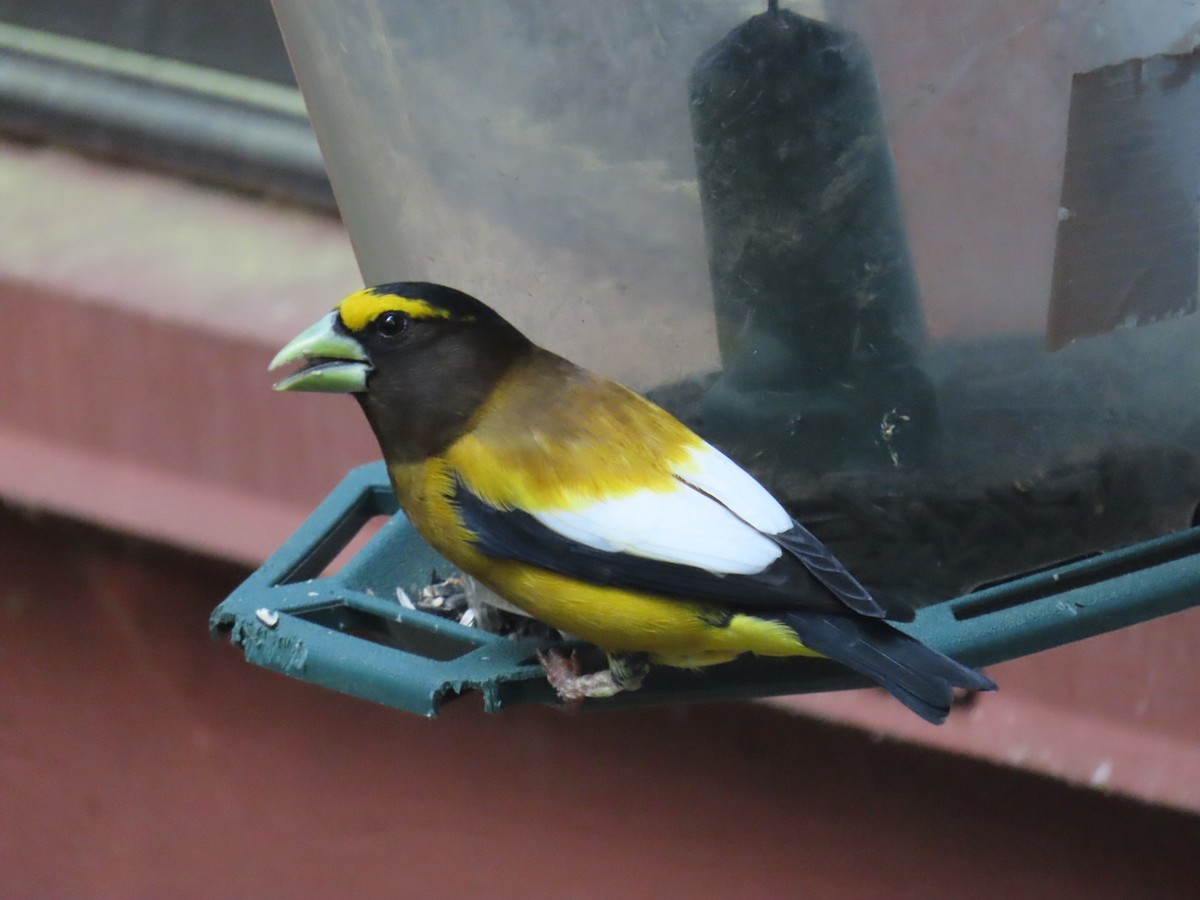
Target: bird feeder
column 930, row 278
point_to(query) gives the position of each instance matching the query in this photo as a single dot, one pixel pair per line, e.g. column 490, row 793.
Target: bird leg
column 629, row 670
column 562, row 671
column 625, row 673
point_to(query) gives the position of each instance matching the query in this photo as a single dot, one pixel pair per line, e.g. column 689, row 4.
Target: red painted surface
column 1119, row 712
column 162, row 428
column 140, row 759
column 139, row 313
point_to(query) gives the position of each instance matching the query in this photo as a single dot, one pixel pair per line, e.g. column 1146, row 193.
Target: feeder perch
column 348, row 631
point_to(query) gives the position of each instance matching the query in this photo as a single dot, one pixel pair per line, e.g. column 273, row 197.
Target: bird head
column 419, row 357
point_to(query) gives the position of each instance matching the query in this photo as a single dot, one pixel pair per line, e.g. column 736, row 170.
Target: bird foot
column 625, row 672
column 562, row 671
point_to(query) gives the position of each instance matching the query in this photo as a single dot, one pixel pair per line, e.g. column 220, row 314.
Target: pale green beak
column 337, row 363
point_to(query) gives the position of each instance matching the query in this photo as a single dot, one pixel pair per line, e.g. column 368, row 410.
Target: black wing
column 787, row 583
column 804, row 545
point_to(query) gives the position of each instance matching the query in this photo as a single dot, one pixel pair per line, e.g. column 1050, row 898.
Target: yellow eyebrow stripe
column 360, row 308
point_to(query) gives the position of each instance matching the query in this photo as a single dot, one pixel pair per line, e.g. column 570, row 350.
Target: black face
column 394, row 333
column 456, row 313
column 430, row 374
column 393, row 336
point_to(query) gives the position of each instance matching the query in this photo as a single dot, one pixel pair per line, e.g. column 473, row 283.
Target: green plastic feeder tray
column 350, row 633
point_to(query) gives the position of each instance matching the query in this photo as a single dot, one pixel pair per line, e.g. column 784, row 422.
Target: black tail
column 918, row 676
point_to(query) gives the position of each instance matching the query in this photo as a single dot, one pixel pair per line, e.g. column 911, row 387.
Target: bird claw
column 562, row 671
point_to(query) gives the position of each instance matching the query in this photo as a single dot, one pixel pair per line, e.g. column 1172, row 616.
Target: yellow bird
column 591, row 509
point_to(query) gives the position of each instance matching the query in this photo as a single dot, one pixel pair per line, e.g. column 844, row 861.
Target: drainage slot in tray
column 387, row 632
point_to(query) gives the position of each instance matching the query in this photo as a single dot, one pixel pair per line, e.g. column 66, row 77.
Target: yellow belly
column 673, row 632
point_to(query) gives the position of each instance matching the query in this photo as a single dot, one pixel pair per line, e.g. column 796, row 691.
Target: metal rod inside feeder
column 816, row 299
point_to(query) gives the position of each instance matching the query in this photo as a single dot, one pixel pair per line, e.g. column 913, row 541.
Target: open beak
column 334, row 362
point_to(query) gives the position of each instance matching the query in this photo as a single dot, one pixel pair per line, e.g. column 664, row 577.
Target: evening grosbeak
column 591, row 509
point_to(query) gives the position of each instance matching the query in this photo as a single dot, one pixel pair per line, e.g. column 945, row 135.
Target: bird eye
column 391, row 324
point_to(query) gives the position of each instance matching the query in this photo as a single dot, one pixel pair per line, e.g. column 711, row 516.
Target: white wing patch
column 730, row 485
column 680, row 526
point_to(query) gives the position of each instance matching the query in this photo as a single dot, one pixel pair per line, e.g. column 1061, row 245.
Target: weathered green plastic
column 286, row 618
